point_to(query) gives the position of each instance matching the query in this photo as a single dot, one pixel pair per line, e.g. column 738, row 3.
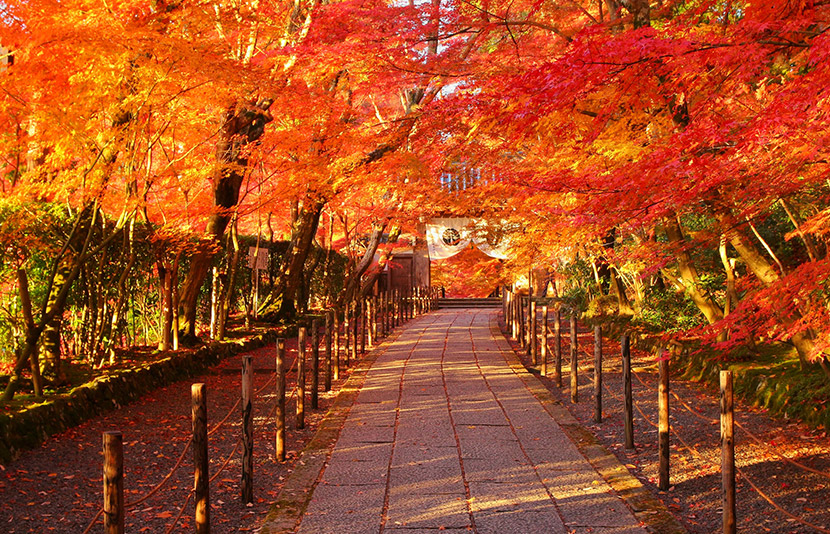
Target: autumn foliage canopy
column 642, row 153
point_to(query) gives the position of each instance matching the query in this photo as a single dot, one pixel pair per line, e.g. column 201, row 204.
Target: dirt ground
column 57, row 487
column 780, row 460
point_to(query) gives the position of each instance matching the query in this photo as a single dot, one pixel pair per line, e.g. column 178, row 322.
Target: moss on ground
column 771, row 379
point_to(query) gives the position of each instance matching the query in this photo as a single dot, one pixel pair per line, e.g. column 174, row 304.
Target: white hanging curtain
column 491, row 238
column 447, row 237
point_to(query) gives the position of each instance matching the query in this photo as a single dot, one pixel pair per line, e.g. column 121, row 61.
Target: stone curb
column 647, row 508
column 292, row 501
column 30, row 427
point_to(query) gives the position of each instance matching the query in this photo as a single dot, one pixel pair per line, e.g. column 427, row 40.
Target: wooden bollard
column 557, row 347
column 534, row 341
column 375, row 320
column 280, row 444
column 327, row 362
column 315, row 364
column 514, row 310
column 370, row 324
column 574, row 361
column 544, row 350
column 113, row 483
column 379, row 317
column 522, row 325
column 504, row 313
column 301, row 337
column 385, row 312
column 363, row 329
column 398, row 318
column 727, row 443
column 247, row 429
column 201, row 477
column 628, row 399
column 663, row 420
column 597, row 374
column 346, row 336
column 354, row 334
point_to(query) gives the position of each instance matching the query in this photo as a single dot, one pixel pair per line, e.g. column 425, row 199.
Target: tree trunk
column 46, row 315
column 688, row 274
column 352, row 287
column 166, row 276
column 766, row 273
column 227, row 294
column 281, row 301
column 242, row 125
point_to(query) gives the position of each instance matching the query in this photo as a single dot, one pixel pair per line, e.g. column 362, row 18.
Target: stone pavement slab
column 446, row 434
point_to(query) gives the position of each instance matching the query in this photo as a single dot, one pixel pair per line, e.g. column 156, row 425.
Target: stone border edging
column 647, row 508
column 29, row 428
column 292, row 501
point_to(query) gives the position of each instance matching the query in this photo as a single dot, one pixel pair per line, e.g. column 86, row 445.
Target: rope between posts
column 94, row 520
column 161, row 484
column 192, row 491
column 181, row 512
column 158, row 486
column 749, row 434
column 711, row 421
column 692, row 450
column 744, row 476
column 153, row 491
column 777, row 507
column 236, row 446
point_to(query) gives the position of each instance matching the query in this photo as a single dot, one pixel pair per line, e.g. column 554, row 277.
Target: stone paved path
column 445, row 436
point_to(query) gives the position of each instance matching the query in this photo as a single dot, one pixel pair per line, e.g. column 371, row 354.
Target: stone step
column 489, row 302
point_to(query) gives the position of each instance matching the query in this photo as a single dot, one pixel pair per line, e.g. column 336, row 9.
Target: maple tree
column 683, row 129
column 653, row 148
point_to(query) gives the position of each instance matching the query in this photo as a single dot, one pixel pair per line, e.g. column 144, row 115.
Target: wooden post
column 346, row 335
column 514, row 316
column 504, row 307
column 354, row 334
column 397, row 294
column 370, row 334
column 386, row 316
column 416, row 293
column 280, row 444
column 380, row 320
column 727, row 442
column 300, row 423
column 557, row 347
column 247, row 429
column 521, row 319
column 363, row 330
column 598, row 374
column 574, row 361
column 201, row 483
column 375, row 317
column 628, row 401
column 327, row 363
column 544, row 351
column 663, row 416
column 315, row 364
column 339, row 340
column 534, row 341
column 113, row 483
